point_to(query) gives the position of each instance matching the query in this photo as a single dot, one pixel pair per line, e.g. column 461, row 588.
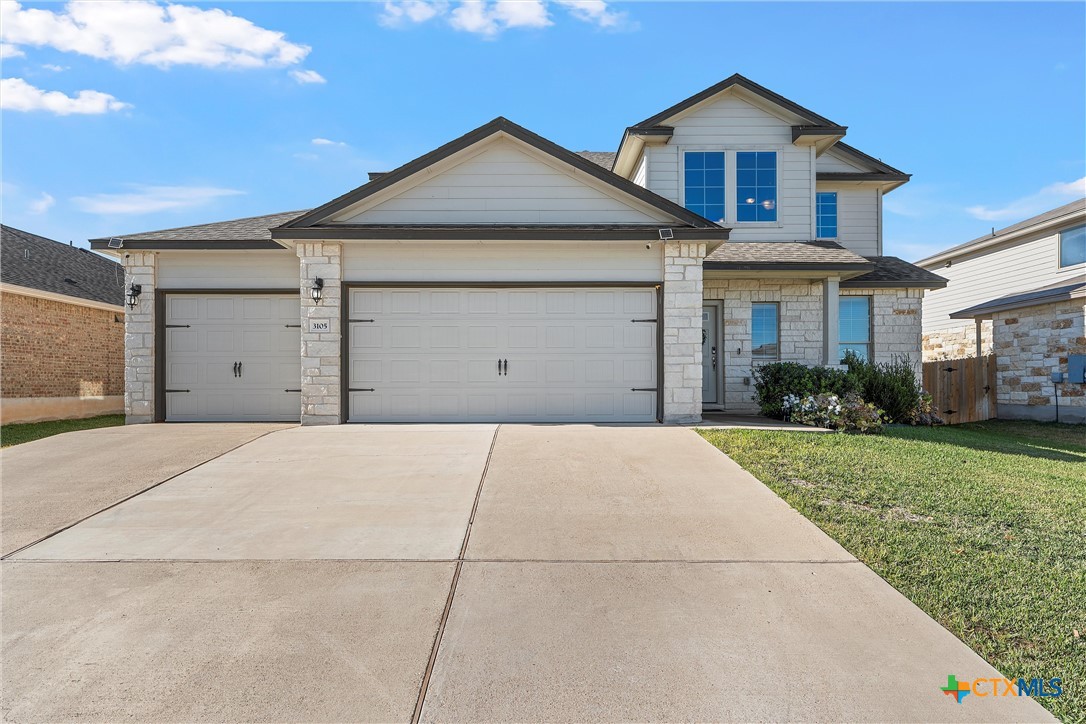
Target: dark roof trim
column 203, row 244
column 745, row 83
column 860, row 176
column 1046, row 295
column 651, row 130
column 875, row 163
column 789, row 266
column 470, row 138
column 499, row 233
column 800, row 131
column 374, row 175
column 888, row 284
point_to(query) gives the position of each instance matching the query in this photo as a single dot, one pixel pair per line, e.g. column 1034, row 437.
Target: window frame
column 730, row 207
column 777, row 316
column 870, row 343
column 724, row 188
column 836, row 215
column 777, row 155
column 1059, row 248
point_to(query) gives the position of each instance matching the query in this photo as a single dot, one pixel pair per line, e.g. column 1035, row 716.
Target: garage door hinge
column 642, row 389
column 288, row 326
column 645, row 320
column 360, row 389
column 352, row 321
column 298, row 390
column 175, row 326
column 178, row 390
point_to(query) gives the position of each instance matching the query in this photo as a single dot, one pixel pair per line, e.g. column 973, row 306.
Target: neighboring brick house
column 501, row 277
column 1018, row 293
column 61, row 330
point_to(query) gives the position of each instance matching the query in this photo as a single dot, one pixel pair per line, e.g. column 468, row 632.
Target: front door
column 710, row 355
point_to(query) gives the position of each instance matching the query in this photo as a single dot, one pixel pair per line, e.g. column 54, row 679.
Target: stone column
column 139, row 339
column 321, row 337
column 682, row 331
column 831, row 321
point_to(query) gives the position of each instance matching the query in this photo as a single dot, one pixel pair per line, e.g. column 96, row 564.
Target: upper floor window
column 756, row 185
column 826, row 215
column 704, row 189
column 1073, row 246
column 854, row 332
column 765, row 331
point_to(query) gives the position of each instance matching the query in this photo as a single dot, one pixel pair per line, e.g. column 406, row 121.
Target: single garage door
column 232, row 357
column 517, row 355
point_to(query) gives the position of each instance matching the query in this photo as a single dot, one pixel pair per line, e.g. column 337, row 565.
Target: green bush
column 776, row 380
column 890, row 386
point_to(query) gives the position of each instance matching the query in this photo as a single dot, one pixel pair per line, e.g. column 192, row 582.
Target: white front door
column 710, row 355
column 510, row 354
column 232, row 357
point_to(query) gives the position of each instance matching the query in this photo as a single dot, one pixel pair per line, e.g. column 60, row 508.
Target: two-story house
column 503, row 277
column 1018, row 293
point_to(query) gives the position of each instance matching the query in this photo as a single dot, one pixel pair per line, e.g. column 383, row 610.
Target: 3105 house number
column 320, row 325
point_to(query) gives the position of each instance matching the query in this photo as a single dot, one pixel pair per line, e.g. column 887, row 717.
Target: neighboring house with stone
column 1018, row 293
column 503, row 277
column 61, row 330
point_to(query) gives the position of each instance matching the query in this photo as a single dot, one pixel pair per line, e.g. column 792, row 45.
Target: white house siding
column 523, row 261
column 505, row 183
column 228, row 270
column 858, row 227
column 731, row 123
column 895, row 318
column 641, row 172
column 833, row 163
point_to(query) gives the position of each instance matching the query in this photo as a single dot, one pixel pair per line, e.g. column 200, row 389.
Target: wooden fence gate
column 962, row 390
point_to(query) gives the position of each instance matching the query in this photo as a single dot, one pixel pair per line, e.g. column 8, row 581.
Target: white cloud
column 7, row 50
column 139, row 31
column 152, row 199
column 490, row 18
column 1045, row 199
column 327, row 142
column 55, row 68
column 307, row 76
column 18, row 95
column 598, row 13
column 398, row 13
column 42, row 204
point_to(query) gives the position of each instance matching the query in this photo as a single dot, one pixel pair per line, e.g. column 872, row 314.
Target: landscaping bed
column 981, row 525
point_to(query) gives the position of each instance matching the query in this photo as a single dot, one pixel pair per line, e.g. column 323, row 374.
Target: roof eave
column 987, row 310
column 477, row 233
column 187, row 245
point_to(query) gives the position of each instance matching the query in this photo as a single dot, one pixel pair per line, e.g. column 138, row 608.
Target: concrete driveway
column 385, row 573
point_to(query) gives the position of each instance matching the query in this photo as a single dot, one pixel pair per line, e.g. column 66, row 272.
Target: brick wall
column 1030, row 344
column 53, row 349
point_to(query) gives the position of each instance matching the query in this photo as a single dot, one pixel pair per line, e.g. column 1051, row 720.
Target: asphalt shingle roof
column 251, row 228
column 29, row 260
column 1051, row 293
column 892, row 270
column 600, row 158
column 784, row 252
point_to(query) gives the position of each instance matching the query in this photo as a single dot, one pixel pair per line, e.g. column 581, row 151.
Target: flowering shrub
column 851, row 414
column 924, row 413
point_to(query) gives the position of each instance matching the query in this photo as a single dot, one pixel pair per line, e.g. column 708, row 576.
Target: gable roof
column 600, row 158
column 1057, row 292
column 245, row 233
column 894, row 273
column 494, row 127
column 785, row 255
column 35, row 262
column 1068, row 213
column 740, row 81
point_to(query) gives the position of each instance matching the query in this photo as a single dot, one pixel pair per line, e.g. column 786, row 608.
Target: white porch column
column 321, row 337
column 682, row 331
column 831, row 323
column 140, row 267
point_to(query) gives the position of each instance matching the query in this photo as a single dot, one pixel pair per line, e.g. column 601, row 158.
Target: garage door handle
column 499, row 367
column 235, row 369
column 505, row 365
column 239, row 369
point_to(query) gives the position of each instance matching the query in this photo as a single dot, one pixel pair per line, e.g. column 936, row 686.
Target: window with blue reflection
column 1073, row 246
column 704, row 184
column 854, row 334
column 756, row 186
column 826, row 214
column 765, row 331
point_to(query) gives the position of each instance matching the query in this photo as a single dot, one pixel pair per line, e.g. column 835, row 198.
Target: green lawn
column 16, row 434
column 983, row 526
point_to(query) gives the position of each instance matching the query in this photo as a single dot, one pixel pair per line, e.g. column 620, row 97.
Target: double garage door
column 232, row 357
column 423, row 355
column 512, row 354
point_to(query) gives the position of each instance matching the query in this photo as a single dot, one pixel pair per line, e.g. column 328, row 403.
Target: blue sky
column 190, row 114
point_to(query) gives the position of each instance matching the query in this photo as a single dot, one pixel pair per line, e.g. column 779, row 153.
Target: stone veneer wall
column 321, row 365
column 140, row 267
column 958, row 342
column 682, row 331
column 1030, row 344
column 896, row 321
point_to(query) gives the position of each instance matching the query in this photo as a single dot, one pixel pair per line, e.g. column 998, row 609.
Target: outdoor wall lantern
column 132, row 296
column 318, row 290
